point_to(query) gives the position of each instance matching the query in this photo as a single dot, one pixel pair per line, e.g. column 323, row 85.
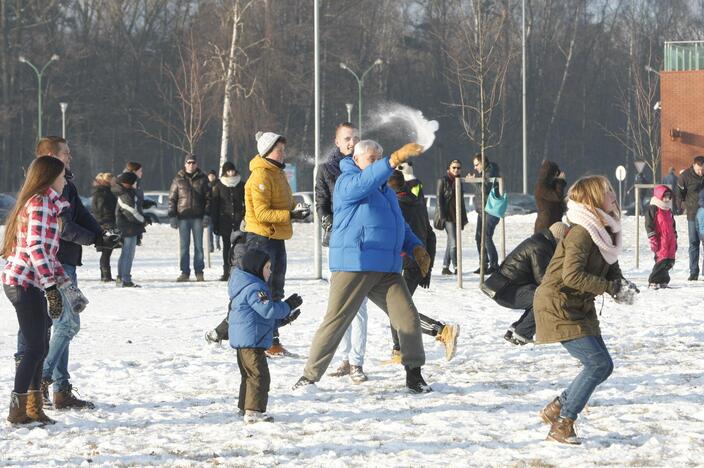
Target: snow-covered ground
column 165, row 397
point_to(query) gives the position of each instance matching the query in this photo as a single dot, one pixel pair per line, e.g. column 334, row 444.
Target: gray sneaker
column 357, row 375
column 182, row 278
column 200, row 277
column 344, row 369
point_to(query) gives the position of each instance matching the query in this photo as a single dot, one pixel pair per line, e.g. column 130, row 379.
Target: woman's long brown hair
column 41, row 174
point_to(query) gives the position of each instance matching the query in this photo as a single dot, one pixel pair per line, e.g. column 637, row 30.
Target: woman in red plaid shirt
column 31, row 277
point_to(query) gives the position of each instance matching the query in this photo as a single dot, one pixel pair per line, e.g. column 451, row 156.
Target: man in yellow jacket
column 269, row 209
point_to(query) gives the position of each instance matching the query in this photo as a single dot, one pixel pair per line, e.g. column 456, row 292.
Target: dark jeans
column 276, row 249
column 254, row 387
column 226, row 251
column 491, row 255
column 520, row 297
column 451, row 247
column 661, row 271
column 428, row 326
column 694, row 242
column 31, row 308
column 597, row 367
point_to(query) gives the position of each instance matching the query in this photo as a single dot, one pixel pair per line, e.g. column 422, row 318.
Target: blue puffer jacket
column 253, row 315
column 368, row 232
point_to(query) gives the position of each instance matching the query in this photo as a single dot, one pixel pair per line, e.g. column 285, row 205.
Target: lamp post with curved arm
column 360, row 84
column 39, row 74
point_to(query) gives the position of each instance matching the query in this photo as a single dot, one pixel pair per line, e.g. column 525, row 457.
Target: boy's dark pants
column 660, row 273
column 254, row 389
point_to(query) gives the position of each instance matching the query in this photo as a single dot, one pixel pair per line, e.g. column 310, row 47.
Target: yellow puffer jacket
column 268, row 200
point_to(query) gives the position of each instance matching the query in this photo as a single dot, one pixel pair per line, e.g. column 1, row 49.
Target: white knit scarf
column 577, row 213
column 662, row 204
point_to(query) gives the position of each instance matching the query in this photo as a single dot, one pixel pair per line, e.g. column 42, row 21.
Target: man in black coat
column 416, row 216
column 519, row 275
column 189, row 210
column 689, row 185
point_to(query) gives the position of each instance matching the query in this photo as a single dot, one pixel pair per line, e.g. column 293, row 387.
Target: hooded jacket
column 549, row 196
column 369, row 231
column 268, row 200
column 128, row 214
column 416, row 215
column 103, row 203
column 660, row 224
column 189, row 196
column 78, row 226
column 253, row 314
column 227, row 204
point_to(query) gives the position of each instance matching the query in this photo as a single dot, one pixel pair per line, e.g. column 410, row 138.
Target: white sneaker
column 654, row 286
column 251, row 417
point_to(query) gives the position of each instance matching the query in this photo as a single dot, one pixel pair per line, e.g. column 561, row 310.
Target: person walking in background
column 269, row 210
column 689, row 184
column 416, row 216
column 213, row 238
column 585, row 265
column 227, row 209
column 519, row 275
column 130, row 221
column 483, row 168
column 103, row 204
column 662, row 235
column 31, row 278
column 353, row 346
column 368, row 235
column 253, row 315
column 549, row 196
column 670, row 180
column 445, row 216
column 189, row 209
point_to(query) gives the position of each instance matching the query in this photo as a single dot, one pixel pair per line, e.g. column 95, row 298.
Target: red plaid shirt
column 33, row 261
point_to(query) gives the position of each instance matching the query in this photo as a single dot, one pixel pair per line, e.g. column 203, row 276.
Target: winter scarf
column 662, row 204
column 228, row 181
column 577, row 213
column 451, row 176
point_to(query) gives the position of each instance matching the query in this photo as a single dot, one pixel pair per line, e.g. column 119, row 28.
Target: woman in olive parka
column 585, row 265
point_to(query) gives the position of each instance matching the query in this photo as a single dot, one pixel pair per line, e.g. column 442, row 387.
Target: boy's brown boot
column 35, row 408
column 562, row 430
column 18, row 409
column 551, row 412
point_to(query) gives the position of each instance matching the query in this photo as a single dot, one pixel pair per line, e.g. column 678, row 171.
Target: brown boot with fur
column 35, row 408
column 562, row 430
column 18, row 409
column 551, row 412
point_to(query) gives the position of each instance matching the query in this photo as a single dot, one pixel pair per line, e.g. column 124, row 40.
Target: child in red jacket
column 662, row 234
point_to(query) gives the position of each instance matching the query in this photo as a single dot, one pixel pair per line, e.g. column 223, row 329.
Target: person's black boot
column 225, row 273
column 105, row 275
column 693, row 277
column 415, row 382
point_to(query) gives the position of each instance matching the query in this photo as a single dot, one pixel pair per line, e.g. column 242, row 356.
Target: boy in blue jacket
column 253, row 317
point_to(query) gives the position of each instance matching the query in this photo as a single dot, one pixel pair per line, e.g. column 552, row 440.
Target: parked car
column 7, row 202
column 307, row 198
column 159, row 212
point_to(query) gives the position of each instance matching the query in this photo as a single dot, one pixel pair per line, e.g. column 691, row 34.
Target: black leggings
column 105, row 259
column 31, row 308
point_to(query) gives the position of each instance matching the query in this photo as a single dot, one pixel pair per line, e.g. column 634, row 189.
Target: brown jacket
column 564, row 301
column 549, row 195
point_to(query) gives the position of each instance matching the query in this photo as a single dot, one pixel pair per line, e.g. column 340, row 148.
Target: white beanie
column 265, row 142
column 407, row 169
column 559, row 230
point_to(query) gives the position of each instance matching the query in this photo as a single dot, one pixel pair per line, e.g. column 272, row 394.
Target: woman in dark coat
column 549, row 195
column 445, row 217
column 227, row 210
column 103, row 206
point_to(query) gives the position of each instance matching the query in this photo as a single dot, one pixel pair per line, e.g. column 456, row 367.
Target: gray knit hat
column 266, row 141
column 559, row 230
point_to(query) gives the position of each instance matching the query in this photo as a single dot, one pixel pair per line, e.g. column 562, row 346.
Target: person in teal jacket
column 368, row 236
column 253, row 316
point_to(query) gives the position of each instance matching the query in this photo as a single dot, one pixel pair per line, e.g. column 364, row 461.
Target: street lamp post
column 64, row 106
column 349, row 106
column 39, row 74
column 360, row 84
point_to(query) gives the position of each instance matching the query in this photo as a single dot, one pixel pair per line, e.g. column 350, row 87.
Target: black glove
column 147, row 221
column 294, row 301
column 290, row 318
column 326, row 222
column 56, row 305
column 106, row 241
column 425, row 282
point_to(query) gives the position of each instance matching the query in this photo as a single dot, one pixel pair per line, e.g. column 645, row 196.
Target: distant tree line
column 145, row 80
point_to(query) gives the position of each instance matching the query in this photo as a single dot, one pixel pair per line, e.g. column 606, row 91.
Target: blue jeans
column 451, row 247
column 186, row 227
column 354, row 343
column 276, row 249
column 124, row 264
column 694, row 242
column 491, row 256
column 597, row 367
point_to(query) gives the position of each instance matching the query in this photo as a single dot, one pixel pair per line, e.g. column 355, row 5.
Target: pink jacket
column 660, row 225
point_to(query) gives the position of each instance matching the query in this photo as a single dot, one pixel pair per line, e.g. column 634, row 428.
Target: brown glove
column 402, row 154
column 422, row 258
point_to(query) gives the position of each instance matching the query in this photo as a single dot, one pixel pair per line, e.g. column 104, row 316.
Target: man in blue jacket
column 368, row 235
